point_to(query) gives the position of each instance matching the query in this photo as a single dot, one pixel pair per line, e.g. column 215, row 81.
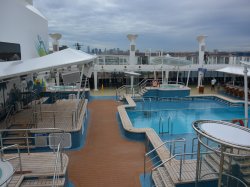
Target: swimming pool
column 172, row 118
column 176, row 116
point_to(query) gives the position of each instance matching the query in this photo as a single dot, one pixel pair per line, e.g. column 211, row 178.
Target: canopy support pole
column 79, row 88
column 162, row 76
column 246, row 94
column 188, row 78
column 57, row 78
column 166, row 76
column 132, row 82
column 95, row 80
column 177, row 79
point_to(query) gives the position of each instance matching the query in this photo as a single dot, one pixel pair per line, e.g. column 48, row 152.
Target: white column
column 154, row 75
column 201, row 40
column 166, row 76
column 95, row 81
column 177, row 78
column 132, row 58
column 57, row 78
column 246, row 94
column 188, row 78
column 162, row 75
column 132, row 82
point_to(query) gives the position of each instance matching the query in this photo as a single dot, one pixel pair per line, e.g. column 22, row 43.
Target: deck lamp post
column 246, row 64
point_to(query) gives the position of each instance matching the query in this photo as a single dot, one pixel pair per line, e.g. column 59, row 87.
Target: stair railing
column 8, row 116
column 181, row 162
column 172, row 150
column 59, row 159
column 239, row 181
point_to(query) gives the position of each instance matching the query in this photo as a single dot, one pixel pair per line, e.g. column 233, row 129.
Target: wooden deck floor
column 107, row 158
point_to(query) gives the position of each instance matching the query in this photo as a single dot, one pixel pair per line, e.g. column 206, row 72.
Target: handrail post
column 144, row 170
column 54, row 116
column 61, row 158
column 168, row 124
column 180, row 168
column 174, row 148
column 1, row 139
column 27, row 142
column 20, row 161
column 185, row 145
column 72, row 120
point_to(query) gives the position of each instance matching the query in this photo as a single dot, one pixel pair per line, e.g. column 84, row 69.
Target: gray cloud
column 161, row 24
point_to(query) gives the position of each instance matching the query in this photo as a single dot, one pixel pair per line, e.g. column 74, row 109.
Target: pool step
column 142, row 92
column 161, row 178
column 213, row 161
column 157, row 179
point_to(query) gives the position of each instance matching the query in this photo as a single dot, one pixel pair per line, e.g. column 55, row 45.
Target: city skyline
column 162, row 25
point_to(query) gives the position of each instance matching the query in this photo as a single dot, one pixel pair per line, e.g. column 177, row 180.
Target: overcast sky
column 170, row 25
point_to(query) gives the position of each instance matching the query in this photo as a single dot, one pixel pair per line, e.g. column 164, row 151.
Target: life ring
column 238, row 121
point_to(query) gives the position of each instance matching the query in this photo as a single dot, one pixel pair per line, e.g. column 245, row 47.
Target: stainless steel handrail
column 56, row 172
column 181, row 161
column 26, row 131
column 226, row 174
column 182, row 140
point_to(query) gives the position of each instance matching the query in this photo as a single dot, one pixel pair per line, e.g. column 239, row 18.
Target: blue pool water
column 177, row 116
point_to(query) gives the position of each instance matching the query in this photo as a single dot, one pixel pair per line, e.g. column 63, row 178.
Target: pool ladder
column 169, row 127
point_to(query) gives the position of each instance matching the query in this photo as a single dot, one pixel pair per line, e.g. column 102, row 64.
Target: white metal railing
column 238, row 180
column 56, row 118
column 181, row 162
column 172, row 151
column 59, row 159
column 27, row 136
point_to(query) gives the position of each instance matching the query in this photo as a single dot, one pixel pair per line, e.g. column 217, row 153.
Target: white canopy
column 173, row 61
column 132, row 73
column 236, row 70
column 66, row 57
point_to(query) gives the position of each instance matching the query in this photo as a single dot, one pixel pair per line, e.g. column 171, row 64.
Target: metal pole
column 197, row 164
column 180, row 168
column 27, row 141
column 54, row 116
column 20, row 161
column 246, row 94
column 188, row 78
column 79, row 88
column 177, row 79
column 221, row 166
